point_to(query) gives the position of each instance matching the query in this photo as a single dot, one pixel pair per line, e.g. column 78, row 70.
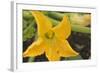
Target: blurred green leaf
column 31, row 59
column 29, row 32
column 27, row 15
column 25, row 23
column 74, row 58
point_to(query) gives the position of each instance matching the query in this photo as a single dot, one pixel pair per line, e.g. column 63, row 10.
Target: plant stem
column 55, row 15
column 78, row 28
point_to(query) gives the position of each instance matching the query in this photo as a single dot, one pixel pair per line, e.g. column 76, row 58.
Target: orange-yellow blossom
column 51, row 40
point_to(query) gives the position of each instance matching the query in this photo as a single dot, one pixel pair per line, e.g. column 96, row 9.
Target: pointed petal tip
column 64, row 27
column 42, row 21
column 24, row 54
column 65, row 17
column 35, row 12
column 76, row 53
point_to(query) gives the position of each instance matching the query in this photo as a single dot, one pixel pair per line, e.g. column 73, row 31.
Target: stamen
column 50, row 34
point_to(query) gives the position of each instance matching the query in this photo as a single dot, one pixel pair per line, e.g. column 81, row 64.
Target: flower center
column 50, row 34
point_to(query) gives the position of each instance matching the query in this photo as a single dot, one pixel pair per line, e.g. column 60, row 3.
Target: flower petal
column 43, row 22
column 52, row 55
column 63, row 30
column 65, row 49
column 51, row 51
column 35, row 49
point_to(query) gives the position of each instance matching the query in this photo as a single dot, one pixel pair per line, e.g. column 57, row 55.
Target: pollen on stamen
column 50, row 34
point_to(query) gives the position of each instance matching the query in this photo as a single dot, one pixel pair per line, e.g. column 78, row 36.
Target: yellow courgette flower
column 51, row 40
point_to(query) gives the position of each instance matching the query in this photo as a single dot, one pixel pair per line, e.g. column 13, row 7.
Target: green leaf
column 29, row 32
column 74, row 58
column 31, row 59
column 27, row 14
